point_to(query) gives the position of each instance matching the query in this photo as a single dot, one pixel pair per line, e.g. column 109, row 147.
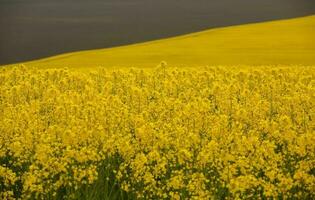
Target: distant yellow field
column 285, row 42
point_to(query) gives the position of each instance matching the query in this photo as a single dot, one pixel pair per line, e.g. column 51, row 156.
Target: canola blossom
column 163, row 133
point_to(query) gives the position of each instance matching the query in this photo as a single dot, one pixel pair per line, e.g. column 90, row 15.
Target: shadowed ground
column 39, row 28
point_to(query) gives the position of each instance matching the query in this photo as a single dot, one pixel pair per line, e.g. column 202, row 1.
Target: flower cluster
column 164, row 133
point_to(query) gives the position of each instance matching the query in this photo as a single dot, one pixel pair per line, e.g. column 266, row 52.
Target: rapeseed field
column 280, row 42
column 160, row 133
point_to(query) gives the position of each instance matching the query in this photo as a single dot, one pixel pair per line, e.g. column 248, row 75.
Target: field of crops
column 162, row 133
column 281, row 42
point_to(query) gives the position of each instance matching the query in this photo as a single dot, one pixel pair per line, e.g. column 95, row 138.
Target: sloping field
column 284, row 42
column 216, row 132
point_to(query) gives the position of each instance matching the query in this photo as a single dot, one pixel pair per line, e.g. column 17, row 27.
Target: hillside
column 287, row 42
